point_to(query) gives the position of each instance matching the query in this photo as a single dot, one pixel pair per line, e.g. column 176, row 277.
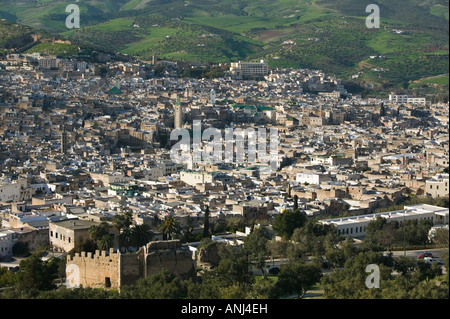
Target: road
column 437, row 253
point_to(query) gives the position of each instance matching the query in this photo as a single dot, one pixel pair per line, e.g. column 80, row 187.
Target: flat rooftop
column 411, row 210
column 75, row 223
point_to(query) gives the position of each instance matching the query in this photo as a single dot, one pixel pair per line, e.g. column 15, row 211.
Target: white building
column 14, row 191
column 196, row 177
column 7, row 240
column 48, row 63
column 407, row 99
column 355, row 226
column 437, row 186
column 244, row 69
column 313, row 178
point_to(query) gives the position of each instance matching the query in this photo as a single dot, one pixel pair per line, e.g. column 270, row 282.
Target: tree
column 104, row 243
column 441, row 237
column 297, row 277
column 100, row 235
column 286, row 222
column 233, row 265
column 141, row 235
column 277, row 248
column 222, row 281
column 163, row 285
column 206, row 223
column 20, row 249
column 255, row 246
column 35, row 274
column 123, row 220
column 7, row 278
column 84, row 244
column 349, row 282
column 404, row 265
column 416, row 232
column 126, row 238
column 169, row 227
column 389, row 235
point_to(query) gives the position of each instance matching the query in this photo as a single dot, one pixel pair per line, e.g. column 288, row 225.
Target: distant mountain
column 411, row 43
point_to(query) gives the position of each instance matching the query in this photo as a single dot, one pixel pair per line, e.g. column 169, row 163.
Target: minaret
column 213, row 97
column 178, row 114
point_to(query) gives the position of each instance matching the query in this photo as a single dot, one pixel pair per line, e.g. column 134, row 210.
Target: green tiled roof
column 115, row 90
column 259, row 108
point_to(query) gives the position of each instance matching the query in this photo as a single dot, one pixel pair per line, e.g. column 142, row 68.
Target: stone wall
column 113, row 269
column 170, row 255
column 99, row 270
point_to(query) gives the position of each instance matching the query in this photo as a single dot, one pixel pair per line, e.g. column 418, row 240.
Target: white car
column 429, row 260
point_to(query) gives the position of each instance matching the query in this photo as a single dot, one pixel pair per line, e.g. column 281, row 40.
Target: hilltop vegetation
column 330, row 35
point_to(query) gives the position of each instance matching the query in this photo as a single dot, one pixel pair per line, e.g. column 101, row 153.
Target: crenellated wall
column 94, row 269
column 113, row 269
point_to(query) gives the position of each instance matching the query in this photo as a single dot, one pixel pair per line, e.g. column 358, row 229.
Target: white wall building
column 313, row 178
column 355, row 226
column 13, row 191
column 194, row 177
column 250, row 68
column 7, row 240
column 437, row 186
column 407, row 99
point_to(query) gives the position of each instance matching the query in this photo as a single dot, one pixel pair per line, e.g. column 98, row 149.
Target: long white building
column 355, row 226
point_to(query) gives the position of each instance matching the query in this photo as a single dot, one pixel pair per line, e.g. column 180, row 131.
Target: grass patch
column 269, row 277
column 439, row 11
column 434, row 80
column 58, row 49
column 150, row 40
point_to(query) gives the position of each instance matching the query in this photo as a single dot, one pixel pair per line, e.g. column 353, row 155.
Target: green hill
column 325, row 34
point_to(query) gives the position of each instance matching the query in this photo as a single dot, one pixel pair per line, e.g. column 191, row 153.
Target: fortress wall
column 112, row 269
column 94, row 269
column 132, row 267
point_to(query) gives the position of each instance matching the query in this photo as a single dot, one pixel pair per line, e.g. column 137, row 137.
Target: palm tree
column 141, row 235
column 123, row 220
column 126, row 238
column 104, row 242
column 100, row 235
column 169, row 227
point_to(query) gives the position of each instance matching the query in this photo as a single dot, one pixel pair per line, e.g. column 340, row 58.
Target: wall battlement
column 112, row 253
column 112, row 269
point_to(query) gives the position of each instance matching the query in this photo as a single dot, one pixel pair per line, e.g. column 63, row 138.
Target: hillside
column 412, row 43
